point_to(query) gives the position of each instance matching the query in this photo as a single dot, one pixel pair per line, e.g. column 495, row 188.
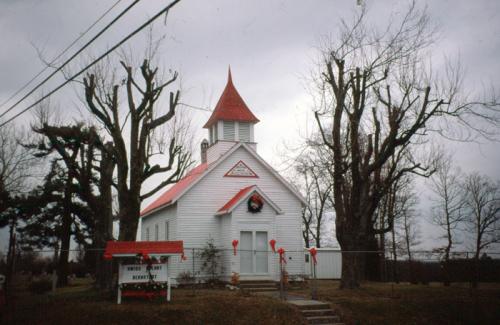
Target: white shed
column 329, row 263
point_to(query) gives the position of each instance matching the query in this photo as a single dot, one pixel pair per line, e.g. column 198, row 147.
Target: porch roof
column 243, row 194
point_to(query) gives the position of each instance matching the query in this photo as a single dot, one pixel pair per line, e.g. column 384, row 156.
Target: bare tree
column 317, row 189
column 447, row 210
column 134, row 148
column 482, row 201
column 16, row 162
column 379, row 101
column 17, row 166
column 409, row 229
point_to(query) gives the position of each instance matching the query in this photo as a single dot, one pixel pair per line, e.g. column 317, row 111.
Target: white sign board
column 138, row 273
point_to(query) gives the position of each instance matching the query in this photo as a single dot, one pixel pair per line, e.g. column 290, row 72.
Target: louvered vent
column 229, row 130
column 244, row 132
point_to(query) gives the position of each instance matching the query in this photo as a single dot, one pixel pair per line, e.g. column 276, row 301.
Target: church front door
column 253, row 252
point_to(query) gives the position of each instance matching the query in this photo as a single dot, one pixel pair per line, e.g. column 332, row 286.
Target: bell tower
column 231, row 122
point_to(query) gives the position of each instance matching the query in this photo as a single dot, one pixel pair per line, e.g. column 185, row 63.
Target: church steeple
column 231, row 122
column 231, row 107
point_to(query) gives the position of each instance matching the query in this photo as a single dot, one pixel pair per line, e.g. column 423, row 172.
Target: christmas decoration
column 313, row 253
column 255, row 203
column 281, row 251
column 272, row 242
column 235, row 245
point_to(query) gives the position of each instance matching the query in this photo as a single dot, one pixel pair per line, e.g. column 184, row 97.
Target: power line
column 71, row 58
column 160, row 13
column 61, row 54
column 197, row 107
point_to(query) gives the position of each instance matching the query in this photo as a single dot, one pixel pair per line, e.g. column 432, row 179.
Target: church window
column 167, row 230
column 147, row 234
column 156, row 232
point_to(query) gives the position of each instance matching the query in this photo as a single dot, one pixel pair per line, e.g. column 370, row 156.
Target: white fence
column 329, row 263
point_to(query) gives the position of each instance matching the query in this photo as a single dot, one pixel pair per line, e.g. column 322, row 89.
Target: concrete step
column 315, row 306
column 263, row 289
column 322, row 319
column 318, row 312
column 257, row 281
column 257, row 285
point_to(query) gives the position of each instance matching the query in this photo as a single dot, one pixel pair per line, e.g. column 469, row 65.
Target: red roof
column 231, row 107
column 173, row 192
column 235, row 199
column 143, row 247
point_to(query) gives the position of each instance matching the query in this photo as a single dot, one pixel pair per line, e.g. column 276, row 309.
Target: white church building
column 232, row 195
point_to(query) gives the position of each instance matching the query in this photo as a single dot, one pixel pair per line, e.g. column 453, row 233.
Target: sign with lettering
column 138, row 273
column 241, row 170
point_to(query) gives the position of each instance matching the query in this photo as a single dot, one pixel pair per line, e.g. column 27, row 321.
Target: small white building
column 232, row 195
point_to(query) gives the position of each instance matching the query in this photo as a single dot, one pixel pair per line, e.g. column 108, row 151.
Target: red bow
column 235, row 245
column 272, row 242
column 313, row 253
column 281, row 251
column 183, row 257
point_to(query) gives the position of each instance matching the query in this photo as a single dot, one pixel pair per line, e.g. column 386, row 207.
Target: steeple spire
column 229, row 78
column 231, row 106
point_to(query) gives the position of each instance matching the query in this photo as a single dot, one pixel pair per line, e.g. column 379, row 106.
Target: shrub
column 40, row 286
column 185, row 278
column 210, row 255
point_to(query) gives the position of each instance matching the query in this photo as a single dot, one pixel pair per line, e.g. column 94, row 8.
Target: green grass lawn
column 385, row 303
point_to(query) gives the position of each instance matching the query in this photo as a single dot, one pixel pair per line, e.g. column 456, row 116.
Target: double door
column 253, row 252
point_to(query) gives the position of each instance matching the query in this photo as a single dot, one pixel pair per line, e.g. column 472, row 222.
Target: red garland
column 313, row 253
column 272, row 242
column 281, row 251
column 235, row 245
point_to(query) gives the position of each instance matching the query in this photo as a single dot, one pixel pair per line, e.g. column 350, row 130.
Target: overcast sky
column 270, row 45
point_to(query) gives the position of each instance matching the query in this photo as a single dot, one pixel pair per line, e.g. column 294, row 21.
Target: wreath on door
column 255, row 203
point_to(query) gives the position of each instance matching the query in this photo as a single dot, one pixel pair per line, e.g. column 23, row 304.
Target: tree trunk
column 62, row 268
column 11, row 255
column 353, row 264
column 130, row 209
column 104, row 229
column 395, row 275
column 446, row 266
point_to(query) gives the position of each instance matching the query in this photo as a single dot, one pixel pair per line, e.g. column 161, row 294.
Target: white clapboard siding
column 218, row 149
column 329, row 263
column 196, row 210
column 160, row 218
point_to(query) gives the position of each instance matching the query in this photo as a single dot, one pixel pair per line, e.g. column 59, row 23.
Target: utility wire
column 196, row 107
column 61, row 54
column 161, row 12
column 71, row 58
